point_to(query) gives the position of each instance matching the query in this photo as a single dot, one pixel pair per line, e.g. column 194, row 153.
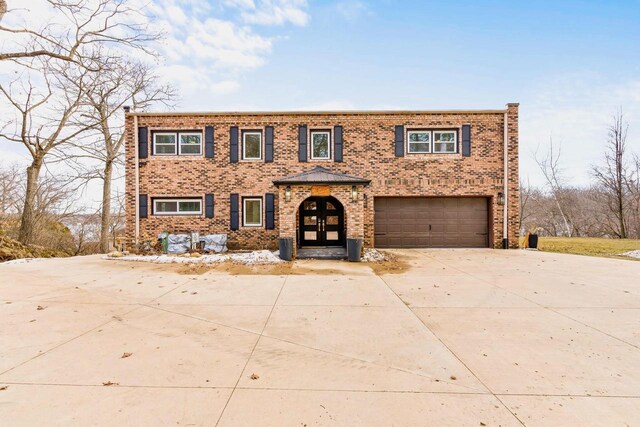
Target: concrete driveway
column 461, row 337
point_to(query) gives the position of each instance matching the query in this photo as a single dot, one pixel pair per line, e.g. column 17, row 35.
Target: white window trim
column 409, row 142
column 175, row 148
column 244, row 211
column 328, row 133
column 199, row 153
column 455, row 141
column 176, row 213
column 251, row 132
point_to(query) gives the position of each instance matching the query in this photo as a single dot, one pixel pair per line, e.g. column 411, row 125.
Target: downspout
column 137, row 177
column 505, row 217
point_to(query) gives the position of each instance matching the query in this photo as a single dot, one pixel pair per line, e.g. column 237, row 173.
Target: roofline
column 315, row 113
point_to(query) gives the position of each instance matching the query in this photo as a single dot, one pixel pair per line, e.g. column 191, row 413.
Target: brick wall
column 368, row 153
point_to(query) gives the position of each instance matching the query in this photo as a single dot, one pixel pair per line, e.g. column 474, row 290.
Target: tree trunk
column 27, row 219
column 106, row 208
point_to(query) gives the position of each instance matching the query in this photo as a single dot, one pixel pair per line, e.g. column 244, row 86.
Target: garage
column 431, row 222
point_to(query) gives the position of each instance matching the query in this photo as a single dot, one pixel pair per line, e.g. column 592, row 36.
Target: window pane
column 332, row 220
column 310, row 235
column 189, row 139
column 165, row 149
column 419, row 136
column 320, row 145
column 447, row 147
column 252, row 145
column 252, row 212
column 330, row 206
column 310, row 220
column 310, row 205
column 418, row 147
column 166, row 206
column 332, row 235
column 190, row 206
column 444, row 136
column 190, row 149
column 166, row 139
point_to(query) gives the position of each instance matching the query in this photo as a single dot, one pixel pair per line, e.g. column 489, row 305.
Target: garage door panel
column 431, row 222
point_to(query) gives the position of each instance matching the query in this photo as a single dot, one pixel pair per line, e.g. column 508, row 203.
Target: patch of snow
column 21, row 261
column 248, row 258
column 632, row 254
column 373, row 255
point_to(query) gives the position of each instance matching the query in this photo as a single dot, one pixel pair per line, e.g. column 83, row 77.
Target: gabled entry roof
column 320, row 175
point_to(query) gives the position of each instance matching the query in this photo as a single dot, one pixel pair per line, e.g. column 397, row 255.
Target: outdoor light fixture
column 126, row 108
column 287, row 194
column 354, row 193
column 501, row 198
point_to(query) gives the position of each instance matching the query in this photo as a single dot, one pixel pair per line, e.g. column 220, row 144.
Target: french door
column 321, row 222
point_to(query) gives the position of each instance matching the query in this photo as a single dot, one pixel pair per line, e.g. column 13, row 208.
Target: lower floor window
column 252, row 212
column 177, row 206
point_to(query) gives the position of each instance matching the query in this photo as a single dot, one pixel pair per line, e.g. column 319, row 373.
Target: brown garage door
column 431, row 222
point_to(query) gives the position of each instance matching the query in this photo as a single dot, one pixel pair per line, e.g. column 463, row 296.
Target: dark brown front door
column 431, row 222
column 321, row 222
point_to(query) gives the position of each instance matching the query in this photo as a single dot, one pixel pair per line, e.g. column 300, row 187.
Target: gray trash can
column 354, row 249
column 285, row 246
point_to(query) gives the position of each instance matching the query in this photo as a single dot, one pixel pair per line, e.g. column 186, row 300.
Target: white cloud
column 226, row 86
column 272, row 12
column 351, row 9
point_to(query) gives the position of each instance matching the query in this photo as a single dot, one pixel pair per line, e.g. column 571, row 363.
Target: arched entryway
column 321, row 222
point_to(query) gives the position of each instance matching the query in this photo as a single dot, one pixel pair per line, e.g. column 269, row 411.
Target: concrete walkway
column 461, row 337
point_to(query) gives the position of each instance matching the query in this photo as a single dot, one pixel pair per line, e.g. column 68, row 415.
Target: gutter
column 505, row 213
column 137, row 177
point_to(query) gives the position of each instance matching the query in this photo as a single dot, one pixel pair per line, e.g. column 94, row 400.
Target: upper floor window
column 177, row 206
column 320, row 145
column 418, row 141
column 251, row 145
column 172, row 143
column 445, row 141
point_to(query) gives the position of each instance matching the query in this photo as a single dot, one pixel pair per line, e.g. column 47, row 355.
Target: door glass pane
column 310, row 220
column 310, row 235
column 332, row 220
column 330, row 206
column 332, row 235
column 310, row 205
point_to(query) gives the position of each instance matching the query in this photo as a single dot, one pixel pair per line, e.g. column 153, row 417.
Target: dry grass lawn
column 588, row 246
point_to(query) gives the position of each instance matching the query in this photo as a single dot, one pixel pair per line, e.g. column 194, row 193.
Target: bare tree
column 10, row 180
column 56, row 67
column 123, row 82
column 551, row 169
column 612, row 175
column 83, row 25
column 41, row 124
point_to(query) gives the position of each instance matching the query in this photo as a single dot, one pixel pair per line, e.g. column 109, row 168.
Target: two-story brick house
column 391, row 178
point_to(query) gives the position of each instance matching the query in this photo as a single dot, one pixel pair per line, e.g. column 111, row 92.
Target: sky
column 571, row 64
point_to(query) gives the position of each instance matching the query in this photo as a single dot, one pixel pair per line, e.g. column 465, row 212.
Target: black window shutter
column 337, row 143
column 233, row 144
column 235, row 217
column 208, row 202
column 268, row 144
column 143, row 205
column 270, row 223
column 302, row 143
column 399, row 141
column 466, row 140
column 143, row 143
column 208, row 142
